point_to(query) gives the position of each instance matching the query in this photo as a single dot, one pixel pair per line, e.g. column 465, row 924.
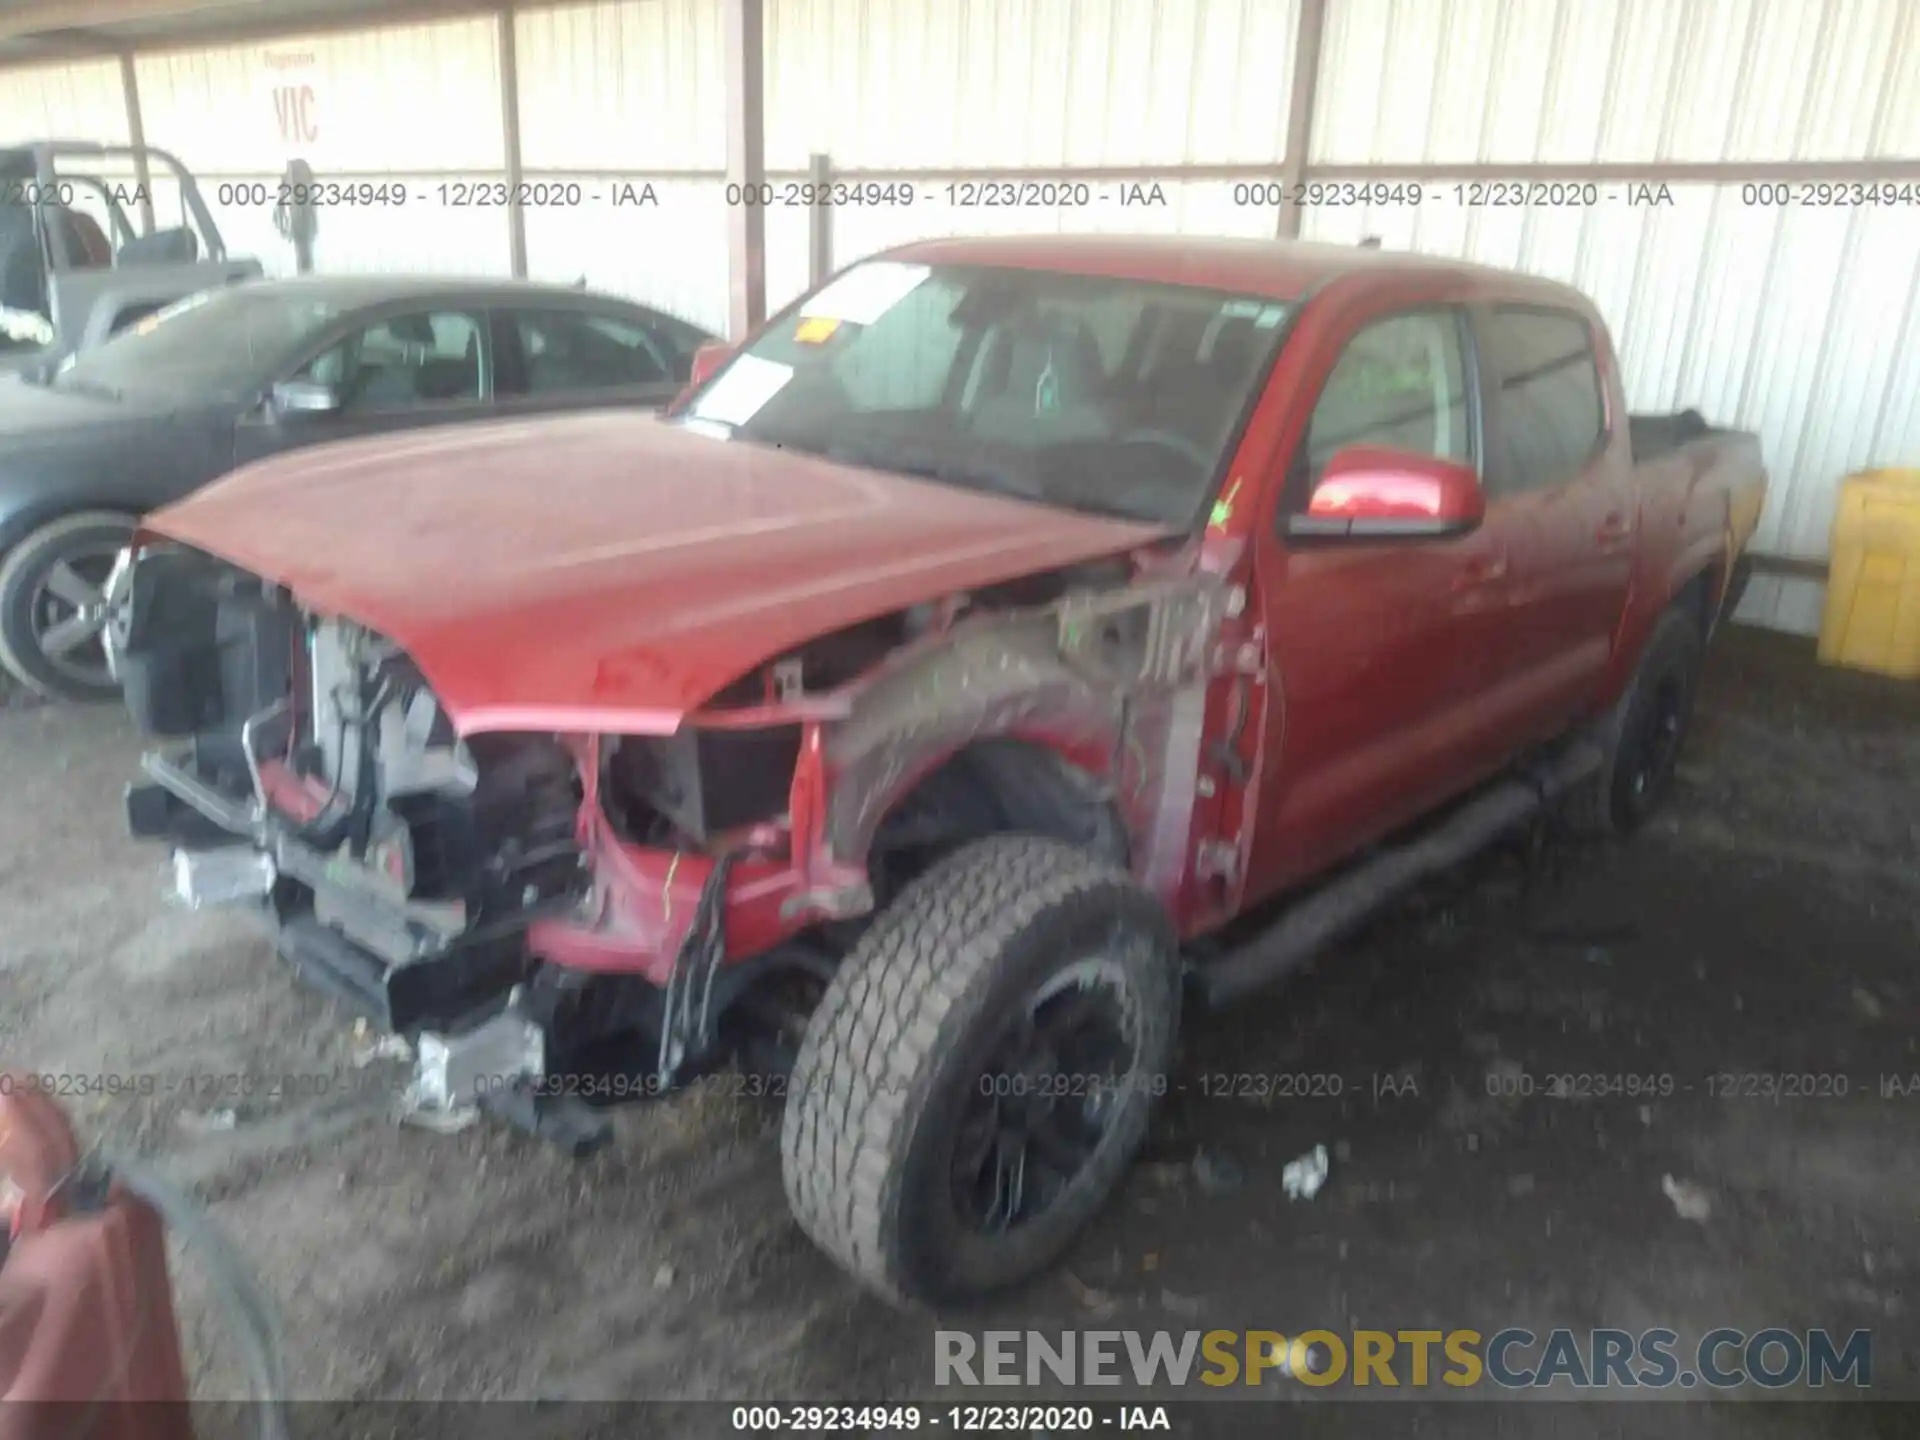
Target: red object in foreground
column 88, row 1342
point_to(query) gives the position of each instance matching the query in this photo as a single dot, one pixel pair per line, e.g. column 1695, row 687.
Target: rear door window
column 1550, row 413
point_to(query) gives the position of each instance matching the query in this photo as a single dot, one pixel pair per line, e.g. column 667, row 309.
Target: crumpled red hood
column 609, row 571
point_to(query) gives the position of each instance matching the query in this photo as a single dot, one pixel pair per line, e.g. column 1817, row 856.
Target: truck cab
column 94, row 238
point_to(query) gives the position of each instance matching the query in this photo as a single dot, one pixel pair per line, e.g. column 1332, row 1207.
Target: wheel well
column 994, row 787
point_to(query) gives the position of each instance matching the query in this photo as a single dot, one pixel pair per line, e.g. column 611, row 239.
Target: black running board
column 1342, row 904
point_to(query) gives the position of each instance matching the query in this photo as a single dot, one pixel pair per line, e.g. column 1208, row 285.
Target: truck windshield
column 217, row 343
column 1112, row 396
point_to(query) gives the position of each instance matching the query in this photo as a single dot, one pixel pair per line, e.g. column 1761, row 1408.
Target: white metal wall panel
column 422, row 237
column 417, row 106
column 609, row 90
column 672, row 255
column 932, row 84
column 1519, row 81
column 405, row 99
column 639, row 85
column 79, row 101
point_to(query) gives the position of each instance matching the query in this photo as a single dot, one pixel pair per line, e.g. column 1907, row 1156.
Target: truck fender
column 1112, row 683
column 1002, row 681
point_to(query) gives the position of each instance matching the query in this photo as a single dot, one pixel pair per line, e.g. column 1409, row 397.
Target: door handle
column 1479, row 571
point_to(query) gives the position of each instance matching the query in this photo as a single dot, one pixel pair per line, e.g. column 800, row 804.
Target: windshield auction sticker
column 742, row 389
column 866, row 292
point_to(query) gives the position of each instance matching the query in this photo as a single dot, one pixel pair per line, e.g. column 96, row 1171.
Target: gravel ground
column 1766, row 925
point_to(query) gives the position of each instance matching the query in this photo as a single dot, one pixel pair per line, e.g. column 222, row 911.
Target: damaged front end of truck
column 559, row 906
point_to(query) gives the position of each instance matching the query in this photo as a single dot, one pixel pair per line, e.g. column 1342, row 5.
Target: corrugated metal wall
column 416, row 106
column 623, row 95
column 1006, row 84
column 1617, row 80
column 63, row 102
column 1802, row 322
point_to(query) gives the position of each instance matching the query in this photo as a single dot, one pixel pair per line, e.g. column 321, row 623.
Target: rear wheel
column 1642, row 735
column 53, row 611
column 981, row 1069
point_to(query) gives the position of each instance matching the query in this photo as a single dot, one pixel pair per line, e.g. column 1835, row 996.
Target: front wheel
column 53, row 610
column 980, row 1071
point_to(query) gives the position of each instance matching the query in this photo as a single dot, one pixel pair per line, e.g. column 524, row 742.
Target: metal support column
column 510, row 132
column 746, row 167
column 137, row 138
column 1300, row 98
column 820, row 220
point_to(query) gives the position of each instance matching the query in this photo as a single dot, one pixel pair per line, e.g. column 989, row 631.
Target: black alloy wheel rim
column 1049, row 1096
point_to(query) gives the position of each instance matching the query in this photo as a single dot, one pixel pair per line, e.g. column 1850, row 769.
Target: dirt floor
column 1768, row 925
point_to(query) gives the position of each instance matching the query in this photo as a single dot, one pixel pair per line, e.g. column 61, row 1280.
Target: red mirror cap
column 709, row 358
column 1374, row 489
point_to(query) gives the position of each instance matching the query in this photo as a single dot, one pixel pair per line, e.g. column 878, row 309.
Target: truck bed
column 1708, row 459
column 1655, row 435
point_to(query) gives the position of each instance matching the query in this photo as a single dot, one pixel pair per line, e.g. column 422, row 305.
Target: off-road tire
column 907, row 1026
column 20, row 576
column 1610, row 804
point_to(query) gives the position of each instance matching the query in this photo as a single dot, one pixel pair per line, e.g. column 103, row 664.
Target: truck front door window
column 1401, row 382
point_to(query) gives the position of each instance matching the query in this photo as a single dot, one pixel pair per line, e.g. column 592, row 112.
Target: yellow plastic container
column 1872, row 619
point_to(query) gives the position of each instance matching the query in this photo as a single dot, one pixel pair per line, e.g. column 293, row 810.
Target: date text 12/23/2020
column 565, row 192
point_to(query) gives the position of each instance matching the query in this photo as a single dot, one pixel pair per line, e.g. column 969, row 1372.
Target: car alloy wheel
column 68, row 613
column 1048, row 1098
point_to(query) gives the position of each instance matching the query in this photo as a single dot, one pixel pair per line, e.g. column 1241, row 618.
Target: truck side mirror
column 1374, row 492
column 707, row 359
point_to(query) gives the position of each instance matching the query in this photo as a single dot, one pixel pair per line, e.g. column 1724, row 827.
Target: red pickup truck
column 904, row 717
